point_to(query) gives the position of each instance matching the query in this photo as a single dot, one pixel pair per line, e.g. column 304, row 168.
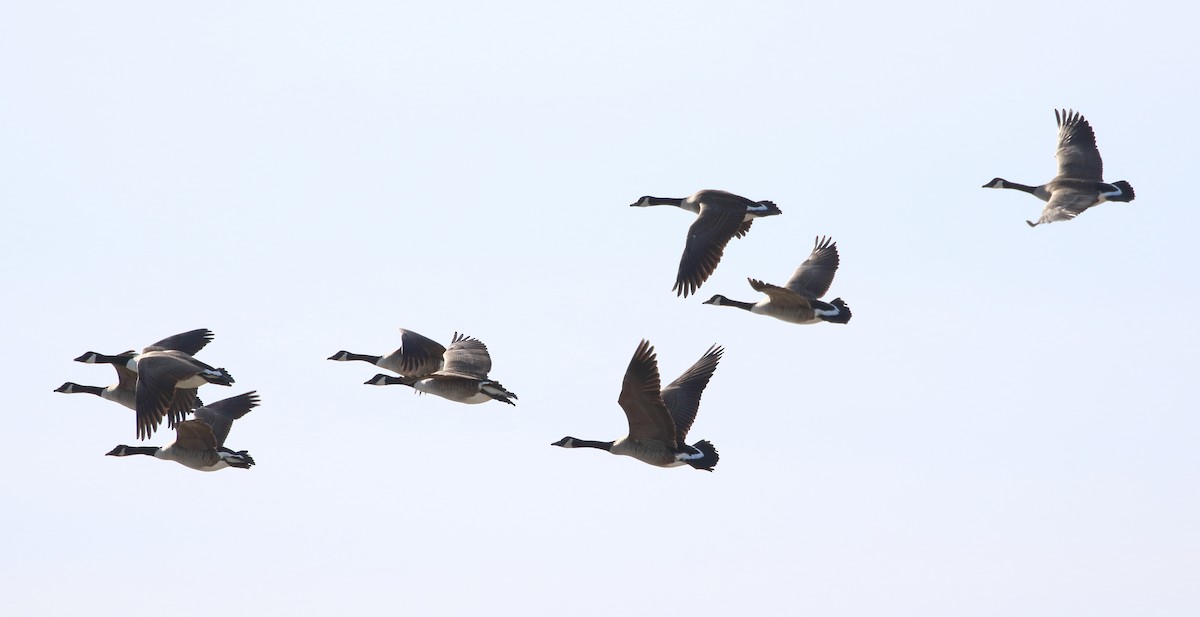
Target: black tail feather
column 843, row 315
column 1126, row 191
column 710, row 458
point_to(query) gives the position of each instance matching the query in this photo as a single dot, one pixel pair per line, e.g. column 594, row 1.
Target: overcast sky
column 1006, row 427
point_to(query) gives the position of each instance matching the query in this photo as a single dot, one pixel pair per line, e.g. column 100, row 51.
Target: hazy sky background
column 1006, row 427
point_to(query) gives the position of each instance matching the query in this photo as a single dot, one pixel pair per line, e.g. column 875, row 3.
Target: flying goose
column 200, row 443
column 796, row 302
column 417, row 356
column 1080, row 183
column 659, row 420
column 720, row 217
column 462, row 376
column 168, row 376
column 124, row 391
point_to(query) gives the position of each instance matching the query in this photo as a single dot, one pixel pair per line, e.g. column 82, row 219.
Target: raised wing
column 466, row 357
column 1077, row 154
column 190, row 342
column 813, row 278
column 682, row 396
column 641, row 398
column 221, row 414
column 420, row 355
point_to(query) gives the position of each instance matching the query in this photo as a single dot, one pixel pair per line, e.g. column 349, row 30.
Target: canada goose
column 659, row 420
column 720, row 217
column 200, row 443
column 417, row 355
column 1080, row 183
column 463, row 376
column 796, row 302
column 124, row 391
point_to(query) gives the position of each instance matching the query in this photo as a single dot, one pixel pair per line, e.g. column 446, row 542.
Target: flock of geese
column 162, row 380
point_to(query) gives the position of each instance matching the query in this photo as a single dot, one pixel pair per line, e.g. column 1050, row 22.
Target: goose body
column 798, row 301
column 720, row 217
column 659, row 419
column 460, row 374
column 200, row 442
column 1080, row 183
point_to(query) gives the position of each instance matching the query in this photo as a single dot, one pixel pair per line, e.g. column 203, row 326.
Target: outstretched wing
column 419, row 355
column 189, row 342
column 1077, row 154
column 682, row 396
column 466, row 357
column 707, row 237
column 221, row 414
column 813, row 278
column 641, row 399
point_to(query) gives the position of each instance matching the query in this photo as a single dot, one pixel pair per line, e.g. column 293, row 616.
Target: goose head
column 565, row 442
column 717, row 300
column 996, row 183
column 341, row 356
column 642, row 202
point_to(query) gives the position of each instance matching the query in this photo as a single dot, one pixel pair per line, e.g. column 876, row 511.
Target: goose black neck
column 584, row 443
column 1019, row 187
column 363, row 357
column 665, row 201
column 147, row 450
column 738, row 303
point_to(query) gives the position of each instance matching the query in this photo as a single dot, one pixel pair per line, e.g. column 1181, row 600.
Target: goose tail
column 705, row 458
column 843, row 312
column 1126, row 191
column 497, row 392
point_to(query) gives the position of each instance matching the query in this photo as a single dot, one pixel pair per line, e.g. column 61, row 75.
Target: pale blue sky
column 1006, row 427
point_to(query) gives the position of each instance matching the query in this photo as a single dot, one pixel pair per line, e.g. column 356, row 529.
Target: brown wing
column 194, row 435
column 1077, row 154
column 780, row 296
column 813, row 278
column 190, row 342
column 419, row 355
column 466, row 357
column 1065, row 205
column 158, row 372
column 184, row 401
column 682, row 397
column 713, row 228
column 641, row 398
column 220, row 415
